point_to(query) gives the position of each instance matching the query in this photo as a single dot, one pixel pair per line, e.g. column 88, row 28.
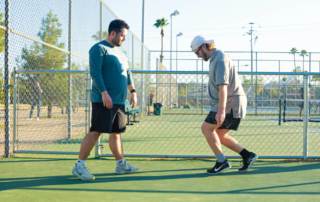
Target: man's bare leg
column 209, row 131
column 115, row 145
column 229, row 141
column 87, row 144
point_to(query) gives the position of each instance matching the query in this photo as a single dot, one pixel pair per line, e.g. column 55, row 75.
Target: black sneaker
column 247, row 163
column 219, row 167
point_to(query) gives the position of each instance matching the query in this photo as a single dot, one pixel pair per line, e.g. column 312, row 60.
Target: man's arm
column 40, row 90
column 221, row 114
column 133, row 97
column 96, row 55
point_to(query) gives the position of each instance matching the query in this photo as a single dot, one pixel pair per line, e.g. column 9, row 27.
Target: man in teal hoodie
column 109, row 69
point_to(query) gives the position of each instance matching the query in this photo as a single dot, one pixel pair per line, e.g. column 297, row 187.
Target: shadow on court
column 261, row 169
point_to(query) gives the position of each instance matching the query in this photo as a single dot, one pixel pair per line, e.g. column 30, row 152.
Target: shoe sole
column 219, row 171
column 83, row 179
column 127, row 172
column 254, row 160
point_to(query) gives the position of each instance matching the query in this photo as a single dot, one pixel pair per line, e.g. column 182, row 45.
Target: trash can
column 157, row 109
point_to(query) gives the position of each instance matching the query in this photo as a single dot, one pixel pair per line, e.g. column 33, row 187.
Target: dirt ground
column 33, row 133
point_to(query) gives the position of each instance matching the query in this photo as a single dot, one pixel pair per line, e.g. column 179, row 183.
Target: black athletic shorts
column 229, row 122
column 302, row 104
column 106, row 120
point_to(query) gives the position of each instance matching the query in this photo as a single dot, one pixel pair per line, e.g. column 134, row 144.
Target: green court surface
column 181, row 135
column 49, row 178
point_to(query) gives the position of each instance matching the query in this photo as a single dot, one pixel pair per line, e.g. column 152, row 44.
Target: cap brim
column 208, row 41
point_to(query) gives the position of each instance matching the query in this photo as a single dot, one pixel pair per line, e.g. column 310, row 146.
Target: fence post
column 14, row 109
column 86, row 111
column 7, row 79
column 157, row 69
column 69, row 75
column 142, row 93
column 310, row 67
column 256, row 93
column 196, row 90
column 306, row 116
column 279, row 112
column 16, row 143
column 97, row 152
column 202, row 92
column 279, row 82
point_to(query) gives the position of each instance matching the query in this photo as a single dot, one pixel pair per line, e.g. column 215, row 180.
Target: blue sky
column 284, row 24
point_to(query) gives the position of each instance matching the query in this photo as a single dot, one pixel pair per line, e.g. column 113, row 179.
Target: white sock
column 121, row 162
column 81, row 162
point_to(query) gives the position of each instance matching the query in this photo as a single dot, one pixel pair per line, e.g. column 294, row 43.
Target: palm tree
column 97, row 35
column 303, row 54
column 297, row 69
column 161, row 23
column 293, row 52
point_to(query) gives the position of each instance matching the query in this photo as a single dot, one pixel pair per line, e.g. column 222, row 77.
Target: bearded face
column 119, row 38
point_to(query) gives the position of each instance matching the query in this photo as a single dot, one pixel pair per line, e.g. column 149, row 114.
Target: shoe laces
column 245, row 162
column 85, row 169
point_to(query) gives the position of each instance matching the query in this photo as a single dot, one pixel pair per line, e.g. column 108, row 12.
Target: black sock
column 245, row 153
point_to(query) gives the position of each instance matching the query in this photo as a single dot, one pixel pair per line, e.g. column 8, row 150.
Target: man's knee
column 95, row 134
column 206, row 127
column 222, row 137
column 115, row 134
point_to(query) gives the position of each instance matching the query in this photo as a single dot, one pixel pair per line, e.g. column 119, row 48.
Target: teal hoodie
column 109, row 70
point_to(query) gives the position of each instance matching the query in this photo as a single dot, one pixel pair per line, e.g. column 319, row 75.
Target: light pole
column 172, row 14
column 250, row 32
column 142, row 93
column 142, row 27
column 180, row 34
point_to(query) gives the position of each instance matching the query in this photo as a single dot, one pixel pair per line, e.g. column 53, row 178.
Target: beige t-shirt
column 222, row 71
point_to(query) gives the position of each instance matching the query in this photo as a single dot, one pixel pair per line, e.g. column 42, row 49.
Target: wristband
column 133, row 90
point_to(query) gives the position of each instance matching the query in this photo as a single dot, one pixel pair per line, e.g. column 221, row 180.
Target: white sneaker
column 38, row 118
column 127, row 169
column 29, row 119
column 82, row 173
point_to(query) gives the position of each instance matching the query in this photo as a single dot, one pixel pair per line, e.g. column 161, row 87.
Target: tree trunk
column 294, row 56
column 161, row 56
column 49, row 110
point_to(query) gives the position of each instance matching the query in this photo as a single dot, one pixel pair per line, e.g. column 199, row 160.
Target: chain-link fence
column 44, row 47
column 175, row 132
column 261, row 61
column 45, row 86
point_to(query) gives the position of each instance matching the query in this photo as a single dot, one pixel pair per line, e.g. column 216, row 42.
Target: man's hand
column 220, row 116
column 133, row 99
column 106, row 99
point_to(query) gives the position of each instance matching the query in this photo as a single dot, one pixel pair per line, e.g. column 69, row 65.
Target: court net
column 293, row 110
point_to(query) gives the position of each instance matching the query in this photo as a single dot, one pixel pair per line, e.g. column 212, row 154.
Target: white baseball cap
column 199, row 40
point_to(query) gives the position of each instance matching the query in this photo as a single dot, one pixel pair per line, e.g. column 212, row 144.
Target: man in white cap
column 228, row 105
